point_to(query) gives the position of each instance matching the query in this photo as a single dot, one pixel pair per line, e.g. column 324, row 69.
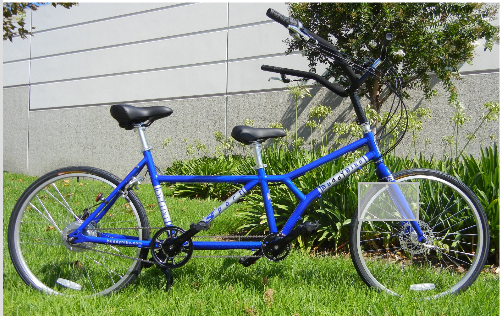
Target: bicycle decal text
column 218, row 210
column 123, row 242
column 342, row 174
column 163, row 206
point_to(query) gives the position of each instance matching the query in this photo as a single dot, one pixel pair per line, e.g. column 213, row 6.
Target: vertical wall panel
column 247, row 76
column 15, row 129
column 483, row 60
column 257, row 40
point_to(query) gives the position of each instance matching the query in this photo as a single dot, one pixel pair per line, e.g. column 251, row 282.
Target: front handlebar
column 299, row 31
column 293, row 25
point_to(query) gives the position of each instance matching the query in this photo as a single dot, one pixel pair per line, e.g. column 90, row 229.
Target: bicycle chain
column 151, row 228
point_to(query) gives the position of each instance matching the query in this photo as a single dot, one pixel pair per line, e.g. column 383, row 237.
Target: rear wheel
column 55, row 205
column 388, row 256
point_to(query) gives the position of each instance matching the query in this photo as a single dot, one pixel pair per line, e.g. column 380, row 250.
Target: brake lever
column 282, row 79
column 300, row 34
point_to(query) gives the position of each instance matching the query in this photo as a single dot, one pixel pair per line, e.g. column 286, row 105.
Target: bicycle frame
column 249, row 181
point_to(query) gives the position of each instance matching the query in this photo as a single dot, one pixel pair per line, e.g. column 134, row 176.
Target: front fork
column 384, row 175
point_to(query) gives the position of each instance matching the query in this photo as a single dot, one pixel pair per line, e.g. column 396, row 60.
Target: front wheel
column 55, row 205
column 388, row 256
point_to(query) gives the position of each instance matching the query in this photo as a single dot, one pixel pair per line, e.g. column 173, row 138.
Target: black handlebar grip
column 281, row 19
column 271, row 68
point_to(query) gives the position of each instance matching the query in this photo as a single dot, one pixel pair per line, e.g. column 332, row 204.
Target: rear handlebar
column 309, row 75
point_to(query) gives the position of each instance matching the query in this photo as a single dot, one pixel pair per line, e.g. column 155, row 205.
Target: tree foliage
column 14, row 14
column 428, row 38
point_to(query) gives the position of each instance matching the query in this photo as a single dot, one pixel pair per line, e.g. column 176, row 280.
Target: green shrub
column 222, row 165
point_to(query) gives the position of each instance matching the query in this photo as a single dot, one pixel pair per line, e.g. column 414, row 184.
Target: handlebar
column 294, row 25
column 298, row 30
column 309, row 75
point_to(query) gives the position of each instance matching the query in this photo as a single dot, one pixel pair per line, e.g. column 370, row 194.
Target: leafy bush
column 482, row 177
column 222, row 165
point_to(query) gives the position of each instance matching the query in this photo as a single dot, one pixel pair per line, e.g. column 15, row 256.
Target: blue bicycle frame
column 249, row 182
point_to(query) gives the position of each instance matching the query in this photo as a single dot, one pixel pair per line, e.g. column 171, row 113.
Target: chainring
column 272, row 252
column 164, row 255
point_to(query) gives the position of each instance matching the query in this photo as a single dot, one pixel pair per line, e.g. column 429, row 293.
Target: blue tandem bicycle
column 83, row 231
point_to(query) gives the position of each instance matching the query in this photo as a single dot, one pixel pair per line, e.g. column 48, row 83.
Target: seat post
column 141, row 129
column 257, row 149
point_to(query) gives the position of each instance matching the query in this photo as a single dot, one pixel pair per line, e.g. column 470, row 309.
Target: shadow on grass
column 297, row 270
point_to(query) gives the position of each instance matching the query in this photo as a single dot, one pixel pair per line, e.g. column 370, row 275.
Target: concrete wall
column 202, row 60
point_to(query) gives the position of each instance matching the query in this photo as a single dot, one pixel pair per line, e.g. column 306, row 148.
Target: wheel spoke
column 41, row 243
column 445, row 207
column 458, row 232
column 460, row 222
column 458, row 241
column 39, row 212
column 450, row 217
column 452, row 259
column 65, row 205
column 379, row 238
column 48, row 215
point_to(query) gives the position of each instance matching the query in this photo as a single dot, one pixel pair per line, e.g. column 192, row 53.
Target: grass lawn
column 299, row 285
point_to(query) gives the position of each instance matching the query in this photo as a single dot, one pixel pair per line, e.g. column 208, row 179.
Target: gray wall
column 202, row 60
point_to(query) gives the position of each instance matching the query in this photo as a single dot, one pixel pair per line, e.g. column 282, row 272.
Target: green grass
column 299, row 285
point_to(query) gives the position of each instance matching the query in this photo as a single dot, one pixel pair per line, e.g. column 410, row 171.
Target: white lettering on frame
column 344, row 173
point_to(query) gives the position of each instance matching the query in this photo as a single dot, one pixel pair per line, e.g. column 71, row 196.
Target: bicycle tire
column 47, row 208
column 389, row 258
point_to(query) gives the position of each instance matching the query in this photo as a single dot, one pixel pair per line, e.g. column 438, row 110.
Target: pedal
column 200, row 226
column 248, row 261
column 310, row 226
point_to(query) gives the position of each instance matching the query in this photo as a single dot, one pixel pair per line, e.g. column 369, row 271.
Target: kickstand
column 168, row 275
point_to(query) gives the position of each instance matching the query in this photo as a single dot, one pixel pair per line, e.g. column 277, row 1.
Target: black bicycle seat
column 248, row 134
column 128, row 115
